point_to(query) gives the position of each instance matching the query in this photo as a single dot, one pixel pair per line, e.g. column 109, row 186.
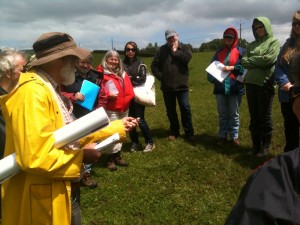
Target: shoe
column 191, row 138
column 149, row 148
column 235, row 142
column 87, row 181
column 110, row 163
column 119, row 161
column 135, row 147
column 222, row 141
column 172, row 137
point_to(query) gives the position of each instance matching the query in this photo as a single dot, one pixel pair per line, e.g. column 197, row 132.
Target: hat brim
column 81, row 53
column 170, row 35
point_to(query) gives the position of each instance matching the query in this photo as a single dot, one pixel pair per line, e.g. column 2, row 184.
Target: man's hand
column 90, row 154
column 130, row 123
column 79, row 96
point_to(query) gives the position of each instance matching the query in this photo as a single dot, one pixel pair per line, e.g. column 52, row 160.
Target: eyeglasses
column 130, row 49
column 294, row 24
column 258, row 27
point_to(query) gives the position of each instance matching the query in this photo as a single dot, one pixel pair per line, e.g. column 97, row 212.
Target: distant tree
column 215, row 44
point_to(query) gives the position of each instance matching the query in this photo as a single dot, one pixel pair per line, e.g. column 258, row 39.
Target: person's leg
column 254, row 127
column 234, row 121
column 75, row 198
column 186, row 113
column 133, row 112
column 170, row 104
column 222, row 106
column 140, row 112
column 291, row 127
column 118, row 160
column 265, row 102
column 87, row 180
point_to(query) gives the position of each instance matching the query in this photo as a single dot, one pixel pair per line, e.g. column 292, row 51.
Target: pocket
column 41, row 204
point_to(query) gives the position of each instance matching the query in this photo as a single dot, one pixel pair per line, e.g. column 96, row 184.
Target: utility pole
column 112, row 44
column 240, row 39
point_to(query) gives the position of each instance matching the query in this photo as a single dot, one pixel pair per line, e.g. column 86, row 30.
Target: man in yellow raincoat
column 41, row 192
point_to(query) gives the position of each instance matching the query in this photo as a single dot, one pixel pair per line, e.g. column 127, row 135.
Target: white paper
column 107, row 142
column 81, row 127
column 241, row 78
column 216, row 70
column 111, row 87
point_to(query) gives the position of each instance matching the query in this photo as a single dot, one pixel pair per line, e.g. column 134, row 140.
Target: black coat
column 171, row 68
column 271, row 195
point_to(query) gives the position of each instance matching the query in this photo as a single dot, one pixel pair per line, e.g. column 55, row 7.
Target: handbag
column 145, row 93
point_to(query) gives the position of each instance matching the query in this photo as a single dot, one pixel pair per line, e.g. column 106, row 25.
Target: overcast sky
column 101, row 24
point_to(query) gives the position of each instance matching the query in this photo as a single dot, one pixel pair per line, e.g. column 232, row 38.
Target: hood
column 267, row 24
column 236, row 39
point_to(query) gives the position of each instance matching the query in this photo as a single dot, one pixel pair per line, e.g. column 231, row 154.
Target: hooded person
column 260, row 61
column 229, row 92
column 41, row 192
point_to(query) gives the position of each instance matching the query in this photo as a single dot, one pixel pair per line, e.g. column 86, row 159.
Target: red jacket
column 123, row 85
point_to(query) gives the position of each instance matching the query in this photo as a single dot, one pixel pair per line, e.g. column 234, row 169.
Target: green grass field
column 178, row 183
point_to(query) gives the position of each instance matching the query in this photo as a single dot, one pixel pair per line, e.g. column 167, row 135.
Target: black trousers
column 291, row 127
column 75, row 198
column 260, row 100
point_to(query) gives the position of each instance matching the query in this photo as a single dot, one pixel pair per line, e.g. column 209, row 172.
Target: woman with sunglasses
column 260, row 86
column 229, row 93
column 136, row 70
column 285, row 76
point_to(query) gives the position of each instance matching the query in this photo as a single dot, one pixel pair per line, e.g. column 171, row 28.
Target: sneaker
column 149, row 148
column 235, row 142
column 87, row 181
column 135, row 146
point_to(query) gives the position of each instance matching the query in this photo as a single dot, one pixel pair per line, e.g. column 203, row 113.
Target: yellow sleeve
column 33, row 117
column 115, row 126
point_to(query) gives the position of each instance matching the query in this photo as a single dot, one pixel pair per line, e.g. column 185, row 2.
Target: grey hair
column 8, row 60
column 109, row 54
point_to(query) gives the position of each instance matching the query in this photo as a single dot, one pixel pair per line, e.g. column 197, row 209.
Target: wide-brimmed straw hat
column 55, row 45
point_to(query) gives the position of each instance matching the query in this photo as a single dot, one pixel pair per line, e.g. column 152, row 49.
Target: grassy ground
column 178, row 183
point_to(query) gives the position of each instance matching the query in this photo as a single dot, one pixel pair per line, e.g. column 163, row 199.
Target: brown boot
column 110, row 163
column 87, row 181
column 118, row 159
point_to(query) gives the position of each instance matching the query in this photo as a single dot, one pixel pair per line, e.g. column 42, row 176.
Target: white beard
column 67, row 74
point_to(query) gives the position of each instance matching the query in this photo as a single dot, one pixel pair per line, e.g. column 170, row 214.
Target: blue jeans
column 185, row 110
column 228, row 109
column 138, row 110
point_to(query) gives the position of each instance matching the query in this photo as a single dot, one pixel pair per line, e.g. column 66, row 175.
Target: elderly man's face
column 83, row 66
column 67, row 72
column 20, row 63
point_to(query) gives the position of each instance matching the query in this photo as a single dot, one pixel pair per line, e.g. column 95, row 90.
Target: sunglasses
column 130, row 49
column 294, row 24
column 228, row 37
column 258, row 27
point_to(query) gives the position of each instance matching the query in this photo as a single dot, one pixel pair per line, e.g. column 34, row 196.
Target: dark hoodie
column 230, row 57
column 261, row 55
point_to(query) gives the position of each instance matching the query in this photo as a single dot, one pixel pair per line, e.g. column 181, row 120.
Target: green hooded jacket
column 261, row 55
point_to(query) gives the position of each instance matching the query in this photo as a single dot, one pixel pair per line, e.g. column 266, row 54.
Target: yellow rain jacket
column 40, row 193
